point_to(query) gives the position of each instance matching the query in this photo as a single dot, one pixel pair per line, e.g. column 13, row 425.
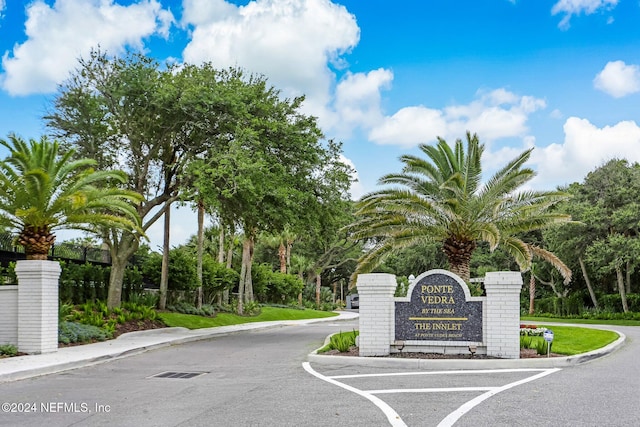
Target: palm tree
column 442, row 199
column 42, row 190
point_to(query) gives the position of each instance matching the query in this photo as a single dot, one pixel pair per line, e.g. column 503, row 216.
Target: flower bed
column 531, row 331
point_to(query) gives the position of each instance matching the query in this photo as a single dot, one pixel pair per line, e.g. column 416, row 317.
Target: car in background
column 355, row 301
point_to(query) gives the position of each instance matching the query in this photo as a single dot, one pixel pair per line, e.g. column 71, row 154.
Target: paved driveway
column 260, row 378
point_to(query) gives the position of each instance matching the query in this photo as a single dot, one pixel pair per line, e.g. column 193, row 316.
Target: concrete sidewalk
column 66, row 358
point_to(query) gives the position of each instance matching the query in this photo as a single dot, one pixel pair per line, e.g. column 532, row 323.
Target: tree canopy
column 42, row 190
column 442, row 198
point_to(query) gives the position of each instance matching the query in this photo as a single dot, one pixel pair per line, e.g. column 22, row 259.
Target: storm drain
column 179, row 375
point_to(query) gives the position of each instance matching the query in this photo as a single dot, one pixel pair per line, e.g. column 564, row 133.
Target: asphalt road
column 257, row 378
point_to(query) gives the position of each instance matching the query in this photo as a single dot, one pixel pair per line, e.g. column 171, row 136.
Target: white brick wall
column 503, row 313
column 9, row 314
column 377, row 313
column 37, row 306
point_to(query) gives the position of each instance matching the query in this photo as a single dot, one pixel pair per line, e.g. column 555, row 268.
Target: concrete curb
column 462, row 364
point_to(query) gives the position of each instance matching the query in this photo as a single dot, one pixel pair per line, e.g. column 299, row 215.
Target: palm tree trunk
column 532, row 293
column 459, row 256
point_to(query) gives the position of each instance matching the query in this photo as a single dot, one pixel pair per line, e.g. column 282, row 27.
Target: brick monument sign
column 438, row 310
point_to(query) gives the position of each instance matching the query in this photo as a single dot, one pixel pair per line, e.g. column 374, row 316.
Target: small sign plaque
column 548, row 335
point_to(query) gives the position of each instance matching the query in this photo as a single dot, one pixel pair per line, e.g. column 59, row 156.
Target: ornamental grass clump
column 343, row 341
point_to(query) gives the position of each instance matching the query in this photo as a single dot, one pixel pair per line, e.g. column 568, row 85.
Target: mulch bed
column 137, row 325
column 524, row 354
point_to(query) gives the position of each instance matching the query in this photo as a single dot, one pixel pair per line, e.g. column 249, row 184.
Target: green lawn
column 268, row 314
column 570, row 340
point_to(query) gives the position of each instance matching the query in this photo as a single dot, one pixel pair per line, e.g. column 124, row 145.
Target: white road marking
column 449, row 420
column 392, row 416
column 430, row 390
column 455, row 415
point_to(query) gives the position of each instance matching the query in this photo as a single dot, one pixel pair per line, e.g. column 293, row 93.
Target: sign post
column 548, row 337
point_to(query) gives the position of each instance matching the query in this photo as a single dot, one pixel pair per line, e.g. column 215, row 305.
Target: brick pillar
column 377, row 313
column 37, row 306
column 503, row 313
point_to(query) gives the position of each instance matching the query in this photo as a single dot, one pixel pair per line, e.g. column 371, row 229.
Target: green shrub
column 216, row 277
column 207, row 310
column 71, row 332
column 8, row 350
column 252, row 308
column 64, row 311
column 147, row 299
column 274, row 286
column 182, row 269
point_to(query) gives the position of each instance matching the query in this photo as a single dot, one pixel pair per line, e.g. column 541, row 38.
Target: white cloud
column 585, row 147
column 358, row 101
column 577, row 7
column 618, row 79
column 203, row 12
column 59, row 35
column 291, row 42
column 494, row 115
column 3, row 4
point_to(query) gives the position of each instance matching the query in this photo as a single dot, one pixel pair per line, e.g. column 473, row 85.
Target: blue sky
column 562, row 76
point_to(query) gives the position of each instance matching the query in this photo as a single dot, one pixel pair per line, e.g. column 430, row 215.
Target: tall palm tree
column 42, row 190
column 442, row 198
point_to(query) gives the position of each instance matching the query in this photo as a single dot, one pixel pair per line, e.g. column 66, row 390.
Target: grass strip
column 618, row 322
column 268, row 314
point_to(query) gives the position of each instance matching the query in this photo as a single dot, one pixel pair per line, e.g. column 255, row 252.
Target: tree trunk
column 248, row 284
column 164, row 272
column 245, row 288
column 126, row 247
column 318, row 284
column 623, row 294
column 532, row 293
column 282, row 255
column 289, row 247
column 628, row 281
column 199, row 251
column 225, row 293
column 221, row 245
column 592, row 294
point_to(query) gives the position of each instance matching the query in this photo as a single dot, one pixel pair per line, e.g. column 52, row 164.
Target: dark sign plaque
column 438, row 310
